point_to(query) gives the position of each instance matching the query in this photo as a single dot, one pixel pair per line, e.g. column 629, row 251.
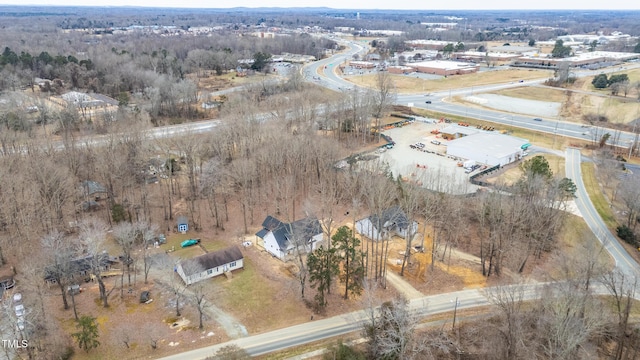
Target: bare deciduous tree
column 59, row 253
column 92, row 235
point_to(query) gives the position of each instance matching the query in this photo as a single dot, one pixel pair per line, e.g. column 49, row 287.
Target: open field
column 409, row 84
column 534, row 93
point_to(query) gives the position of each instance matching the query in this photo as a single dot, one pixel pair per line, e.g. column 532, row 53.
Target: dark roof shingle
column 211, row 260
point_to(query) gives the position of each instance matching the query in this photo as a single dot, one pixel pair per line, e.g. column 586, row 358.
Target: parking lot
column 425, row 165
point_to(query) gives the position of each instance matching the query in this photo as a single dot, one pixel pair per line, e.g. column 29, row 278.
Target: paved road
column 440, row 101
column 334, row 326
column 347, row 323
column 623, row 260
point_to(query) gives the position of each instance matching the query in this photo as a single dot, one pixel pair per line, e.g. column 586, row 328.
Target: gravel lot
column 516, row 105
column 439, row 172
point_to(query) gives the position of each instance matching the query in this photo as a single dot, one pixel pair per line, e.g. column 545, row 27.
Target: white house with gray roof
column 280, row 238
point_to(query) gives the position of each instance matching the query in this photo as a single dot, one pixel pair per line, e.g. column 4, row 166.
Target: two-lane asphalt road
column 351, row 322
column 342, row 324
column 623, row 260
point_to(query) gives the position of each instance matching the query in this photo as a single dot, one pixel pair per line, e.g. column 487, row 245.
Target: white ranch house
column 209, row 265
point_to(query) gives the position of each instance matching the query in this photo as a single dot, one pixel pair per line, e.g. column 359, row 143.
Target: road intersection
column 322, row 72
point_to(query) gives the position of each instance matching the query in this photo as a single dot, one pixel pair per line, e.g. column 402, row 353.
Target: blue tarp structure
column 189, row 242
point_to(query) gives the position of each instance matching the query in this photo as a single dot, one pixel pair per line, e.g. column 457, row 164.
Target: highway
column 323, row 73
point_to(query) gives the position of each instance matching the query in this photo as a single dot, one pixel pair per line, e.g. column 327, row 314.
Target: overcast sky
column 353, row 4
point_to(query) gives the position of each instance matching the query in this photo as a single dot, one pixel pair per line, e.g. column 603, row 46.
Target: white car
column 20, row 324
column 17, row 297
column 19, row 310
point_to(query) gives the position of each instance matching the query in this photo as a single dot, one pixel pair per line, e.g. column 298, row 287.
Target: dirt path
column 403, row 286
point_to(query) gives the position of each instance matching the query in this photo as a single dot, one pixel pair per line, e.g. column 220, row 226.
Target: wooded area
column 276, row 152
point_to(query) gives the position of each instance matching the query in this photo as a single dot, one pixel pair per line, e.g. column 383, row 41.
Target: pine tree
column 87, row 337
column 352, row 273
column 323, row 266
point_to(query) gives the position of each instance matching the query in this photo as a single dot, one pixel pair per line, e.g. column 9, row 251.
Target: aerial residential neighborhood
column 319, row 183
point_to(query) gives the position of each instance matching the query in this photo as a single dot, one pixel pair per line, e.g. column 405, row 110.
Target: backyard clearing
column 413, row 84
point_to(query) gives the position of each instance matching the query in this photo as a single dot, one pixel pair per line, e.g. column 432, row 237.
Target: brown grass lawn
column 595, row 194
column 262, row 303
column 534, row 93
column 574, row 242
column 409, row 84
column 510, row 174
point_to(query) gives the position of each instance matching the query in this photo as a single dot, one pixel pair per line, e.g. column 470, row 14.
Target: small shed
column 183, row 224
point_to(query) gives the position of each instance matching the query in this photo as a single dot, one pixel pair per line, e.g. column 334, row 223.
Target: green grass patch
column 173, row 242
column 213, row 245
column 597, row 197
column 250, row 298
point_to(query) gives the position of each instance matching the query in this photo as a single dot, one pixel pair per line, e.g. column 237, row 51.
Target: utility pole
column 635, row 139
column 455, row 310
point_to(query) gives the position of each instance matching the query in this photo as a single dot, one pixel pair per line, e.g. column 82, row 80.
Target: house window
column 233, row 264
column 210, row 271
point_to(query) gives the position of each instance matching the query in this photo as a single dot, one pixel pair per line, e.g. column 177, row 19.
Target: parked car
column 435, row 142
column 20, row 324
column 19, row 310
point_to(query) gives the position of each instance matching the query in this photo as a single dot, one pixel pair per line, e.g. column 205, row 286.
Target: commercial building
column 456, row 131
column 580, row 59
column 444, row 67
column 488, row 148
column 400, row 69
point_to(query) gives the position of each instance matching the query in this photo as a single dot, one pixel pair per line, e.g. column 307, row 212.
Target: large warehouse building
column 488, row 148
column 444, row 67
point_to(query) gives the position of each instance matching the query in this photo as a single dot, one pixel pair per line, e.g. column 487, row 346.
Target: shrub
column 625, row 233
